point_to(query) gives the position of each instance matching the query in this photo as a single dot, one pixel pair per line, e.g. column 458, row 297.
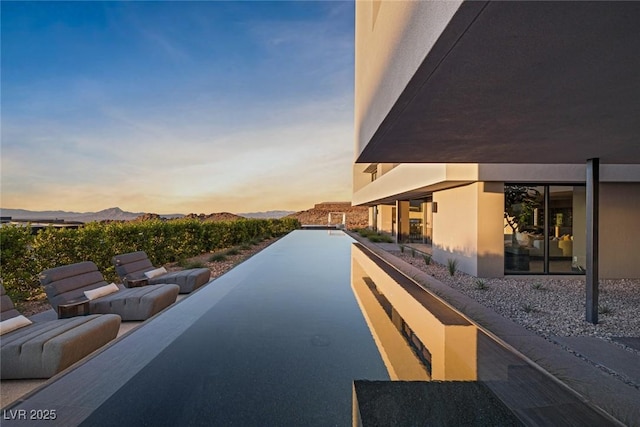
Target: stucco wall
column 402, row 221
column 469, row 227
column 490, row 229
column 385, row 218
column 619, row 230
column 455, row 227
column 408, row 177
column 392, row 39
column 580, row 226
column 360, row 178
column 554, row 173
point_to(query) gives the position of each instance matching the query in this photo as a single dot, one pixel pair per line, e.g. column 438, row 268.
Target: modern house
column 505, row 134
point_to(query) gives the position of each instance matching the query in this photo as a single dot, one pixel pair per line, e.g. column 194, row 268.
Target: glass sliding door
column 545, row 229
column 416, row 221
column 524, row 223
column 567, row 229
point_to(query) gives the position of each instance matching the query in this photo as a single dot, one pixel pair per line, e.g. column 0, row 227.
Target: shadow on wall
column 486, row 265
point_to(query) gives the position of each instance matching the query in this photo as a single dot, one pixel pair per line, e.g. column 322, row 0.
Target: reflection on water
column 420, row 339
column 419, row 349
column 415, row 343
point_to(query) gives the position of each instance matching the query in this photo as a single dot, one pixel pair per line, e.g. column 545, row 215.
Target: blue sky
column 176, row 107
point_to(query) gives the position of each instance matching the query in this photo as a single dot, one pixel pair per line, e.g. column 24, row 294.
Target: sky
column 176, row 107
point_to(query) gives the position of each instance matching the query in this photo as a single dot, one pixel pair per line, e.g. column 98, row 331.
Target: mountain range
column 111, row 214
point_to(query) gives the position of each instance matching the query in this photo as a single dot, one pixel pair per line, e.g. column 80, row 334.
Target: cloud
column 153, row 168
column 180, row 121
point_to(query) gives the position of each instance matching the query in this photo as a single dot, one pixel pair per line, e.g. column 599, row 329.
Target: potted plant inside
column 520, row 202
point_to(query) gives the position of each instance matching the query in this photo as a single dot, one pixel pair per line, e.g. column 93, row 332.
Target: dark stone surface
column 607, row 354
column 433, row 403
column 633, row 342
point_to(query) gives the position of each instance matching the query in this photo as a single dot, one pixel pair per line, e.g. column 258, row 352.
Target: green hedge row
column 23, row 255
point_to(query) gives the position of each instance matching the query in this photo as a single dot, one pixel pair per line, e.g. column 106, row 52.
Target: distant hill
column 267, row 214
column 25, row 214
column 220, row 216
column 117, row 214
column 356, row 216
column 114, row 214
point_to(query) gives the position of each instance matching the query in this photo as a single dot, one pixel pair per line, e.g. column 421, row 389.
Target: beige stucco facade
column 434, row 93
column 392, row 39
column 469, row 226
column 619, row 230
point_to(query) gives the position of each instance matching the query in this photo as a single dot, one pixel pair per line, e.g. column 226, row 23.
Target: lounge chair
column 136, row 266
column 42, row 349
column 76, row 281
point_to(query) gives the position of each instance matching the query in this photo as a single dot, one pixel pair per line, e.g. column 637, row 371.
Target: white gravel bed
column 548, row 306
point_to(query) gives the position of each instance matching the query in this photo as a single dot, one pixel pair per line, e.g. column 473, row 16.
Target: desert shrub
column 528, row 307
column 55, row 246
column 427, row 259
column 379, row 238
column 17, row 265
column 481, row 285
column 218, row 257
column 452, row 266
column 605, row 309
column 24, row 255
column 363, row 232
column 538, row 286
column 190, row 264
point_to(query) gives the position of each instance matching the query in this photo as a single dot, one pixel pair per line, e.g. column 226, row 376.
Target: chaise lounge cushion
column 70, row 281
column 43, row 349
column 134, row 265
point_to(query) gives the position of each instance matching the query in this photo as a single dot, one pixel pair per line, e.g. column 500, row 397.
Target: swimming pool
column 280, row 339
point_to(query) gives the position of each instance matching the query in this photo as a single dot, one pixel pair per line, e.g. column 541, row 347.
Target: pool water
column 282, row 347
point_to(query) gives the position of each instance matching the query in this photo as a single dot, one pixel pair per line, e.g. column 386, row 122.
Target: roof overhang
column 415, row 194
column 522, row 82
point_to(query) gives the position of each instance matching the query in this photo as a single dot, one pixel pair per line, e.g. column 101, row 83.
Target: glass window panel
column 566, row 216
column 532, row 236
column 524, row 222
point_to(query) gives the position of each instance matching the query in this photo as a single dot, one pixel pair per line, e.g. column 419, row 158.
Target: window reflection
column 544, row 229
column 418, row 339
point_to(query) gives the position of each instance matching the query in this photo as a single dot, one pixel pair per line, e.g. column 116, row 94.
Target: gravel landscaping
column 548, row 306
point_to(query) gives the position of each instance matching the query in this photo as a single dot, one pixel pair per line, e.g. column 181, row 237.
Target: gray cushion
column 133, row 265
column 136, row 303
column 70, row 281
column 41, row 350
column 7, row 310
column 188, row 280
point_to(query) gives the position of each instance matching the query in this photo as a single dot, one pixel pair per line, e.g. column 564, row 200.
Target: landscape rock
column 356, row 216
